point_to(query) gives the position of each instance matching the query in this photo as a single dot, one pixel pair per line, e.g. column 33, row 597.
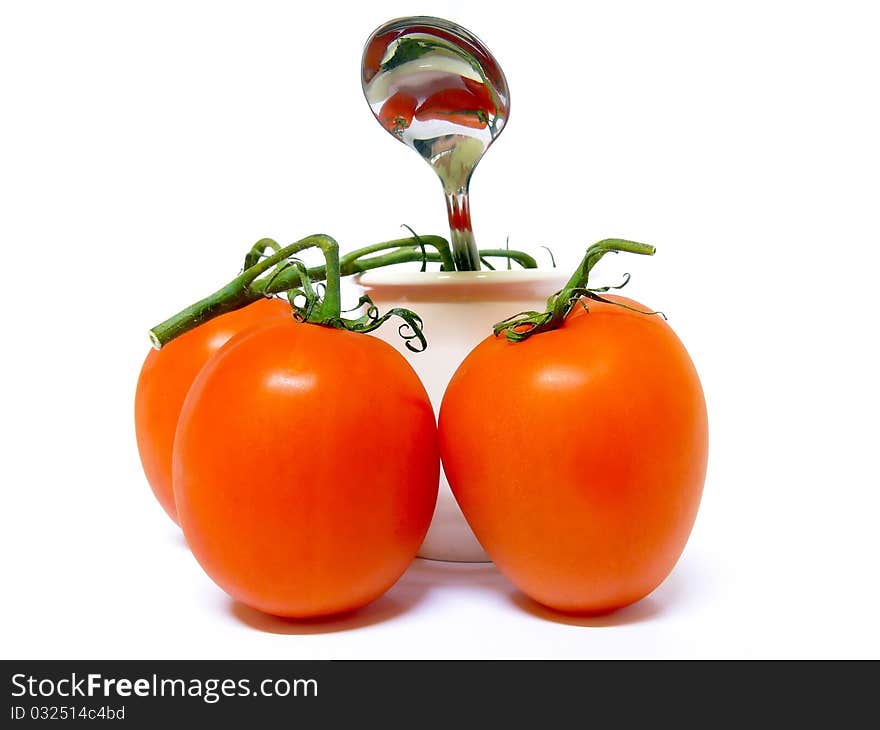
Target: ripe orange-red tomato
column 461, row 106
column 165, row 379
column 397, row 112
column 582, row 476
column 306, row 467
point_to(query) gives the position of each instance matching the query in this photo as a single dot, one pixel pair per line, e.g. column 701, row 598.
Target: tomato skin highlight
column 583, row 479
column 165, row 379
column 306, row 468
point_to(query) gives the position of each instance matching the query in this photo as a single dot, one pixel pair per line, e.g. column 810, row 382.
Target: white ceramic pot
column 458, row 310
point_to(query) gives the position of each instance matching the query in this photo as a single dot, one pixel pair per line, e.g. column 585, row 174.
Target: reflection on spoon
column 435, row 87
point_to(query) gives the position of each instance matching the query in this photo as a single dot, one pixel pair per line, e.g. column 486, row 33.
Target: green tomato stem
column 521, row 326
column 258, row 280
column 244, row 289
column 249, row 287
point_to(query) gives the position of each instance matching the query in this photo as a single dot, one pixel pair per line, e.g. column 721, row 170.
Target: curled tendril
column 421, row 246
column 552, row 257
column 283, row 266
column 311, row 311
column 304, row 290
column 411, row 329
column 259, row 250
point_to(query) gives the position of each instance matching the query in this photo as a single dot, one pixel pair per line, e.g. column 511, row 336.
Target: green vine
column 270, row 270
column 521, row 326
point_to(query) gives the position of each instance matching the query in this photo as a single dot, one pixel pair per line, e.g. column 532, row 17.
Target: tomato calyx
column 397, row 112
column 321, row 305
column 522, row 326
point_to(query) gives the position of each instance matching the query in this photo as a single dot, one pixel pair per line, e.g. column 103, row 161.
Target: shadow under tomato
column 674, row 593
column 178, row 539
column 422, row 577
column 643, row 610
column 382, row 609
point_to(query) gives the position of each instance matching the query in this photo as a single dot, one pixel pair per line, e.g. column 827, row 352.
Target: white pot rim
column 485, row 277
column 462, row 286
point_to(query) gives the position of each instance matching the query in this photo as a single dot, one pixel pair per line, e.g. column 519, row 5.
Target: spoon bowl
column 435, row 87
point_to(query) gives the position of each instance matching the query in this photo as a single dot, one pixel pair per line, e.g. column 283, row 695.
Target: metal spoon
column 434, row 86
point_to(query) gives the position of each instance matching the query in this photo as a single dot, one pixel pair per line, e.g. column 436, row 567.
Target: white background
column 146, row 145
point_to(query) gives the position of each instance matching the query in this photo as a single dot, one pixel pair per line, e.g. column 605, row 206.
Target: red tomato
column 460, row 106
column 306, row 467
column 583, row 478
column 165, row 379
column 375, row 52
column 397, row 112
column 481, row 93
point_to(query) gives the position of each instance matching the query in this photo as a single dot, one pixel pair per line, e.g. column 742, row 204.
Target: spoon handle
column 464, row 247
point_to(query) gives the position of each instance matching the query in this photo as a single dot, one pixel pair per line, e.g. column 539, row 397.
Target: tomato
column 306, row 467
column 165, row 379
column 397, row 112
column 481, row 93
column 578, row 456
column 375, row 52
column 461, row 106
